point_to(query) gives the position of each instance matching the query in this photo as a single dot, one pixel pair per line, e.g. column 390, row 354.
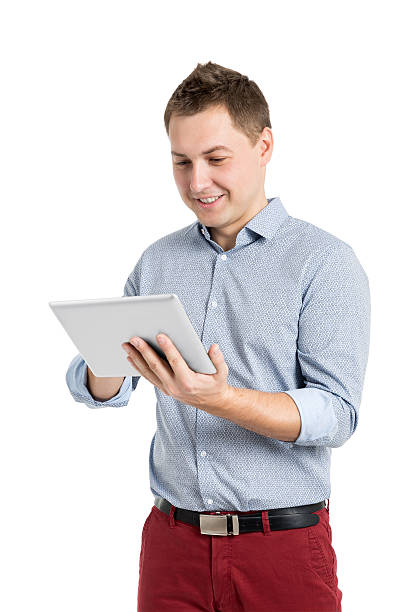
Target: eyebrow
column 216, row 148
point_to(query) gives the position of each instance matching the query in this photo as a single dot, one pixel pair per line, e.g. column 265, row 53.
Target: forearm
column 103, row 388
column 274, row 415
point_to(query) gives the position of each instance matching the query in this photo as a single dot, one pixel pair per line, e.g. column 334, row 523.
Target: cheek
column 178, row 178
column 233, row 179
column 247, row 177
column 181, row 183
column 247, row 166
column 226, row 177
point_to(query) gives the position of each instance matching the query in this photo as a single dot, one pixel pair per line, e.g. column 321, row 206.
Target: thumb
column 218, row 360
column 215, row 352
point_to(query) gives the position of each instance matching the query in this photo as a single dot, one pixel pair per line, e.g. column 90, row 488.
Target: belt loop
column 265, row 523
column 172, row 517
column 327, row 507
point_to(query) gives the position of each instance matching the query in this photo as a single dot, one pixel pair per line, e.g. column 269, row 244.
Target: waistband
column 234, row 523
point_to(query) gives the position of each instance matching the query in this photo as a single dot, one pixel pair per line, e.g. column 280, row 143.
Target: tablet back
column 98, row 327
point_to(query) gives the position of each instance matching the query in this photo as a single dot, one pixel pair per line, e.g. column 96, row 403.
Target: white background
column 87, row 185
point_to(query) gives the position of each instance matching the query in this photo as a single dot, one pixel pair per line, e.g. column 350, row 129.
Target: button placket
column 205, row 474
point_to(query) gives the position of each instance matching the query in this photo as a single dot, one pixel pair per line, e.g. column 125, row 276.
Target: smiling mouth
column 212, row 204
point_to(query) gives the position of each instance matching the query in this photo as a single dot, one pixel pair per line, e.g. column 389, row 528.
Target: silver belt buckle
column 216, row 524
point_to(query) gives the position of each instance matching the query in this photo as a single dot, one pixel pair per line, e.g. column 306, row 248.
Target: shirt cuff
column 76, row 379
column 318, row 419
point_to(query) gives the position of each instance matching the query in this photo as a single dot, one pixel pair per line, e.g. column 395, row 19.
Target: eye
column 214, row 159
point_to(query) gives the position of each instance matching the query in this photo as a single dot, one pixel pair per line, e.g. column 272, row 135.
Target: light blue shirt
column 289, row 306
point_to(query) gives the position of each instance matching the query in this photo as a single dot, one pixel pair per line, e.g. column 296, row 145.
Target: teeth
column 209, row 200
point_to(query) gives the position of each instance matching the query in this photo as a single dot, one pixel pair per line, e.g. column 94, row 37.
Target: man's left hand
column 209, row 392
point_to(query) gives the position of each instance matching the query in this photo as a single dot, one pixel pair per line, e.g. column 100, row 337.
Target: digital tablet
column 99, row 327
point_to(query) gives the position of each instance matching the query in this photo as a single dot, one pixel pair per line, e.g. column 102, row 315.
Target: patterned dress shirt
column 289, row 306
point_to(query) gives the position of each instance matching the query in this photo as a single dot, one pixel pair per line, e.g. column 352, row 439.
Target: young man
column 240, row 461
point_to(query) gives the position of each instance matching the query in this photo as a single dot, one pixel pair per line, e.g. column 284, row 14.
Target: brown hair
column 213, row 85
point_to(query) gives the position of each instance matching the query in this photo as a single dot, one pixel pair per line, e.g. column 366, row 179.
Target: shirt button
column 214, row 303
column 210, row 501
column 224, row 256
column 203, row 453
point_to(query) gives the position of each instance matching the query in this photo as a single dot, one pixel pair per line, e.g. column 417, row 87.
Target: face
column 233, row 170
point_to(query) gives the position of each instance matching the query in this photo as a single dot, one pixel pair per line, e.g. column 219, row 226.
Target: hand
column 209, row 392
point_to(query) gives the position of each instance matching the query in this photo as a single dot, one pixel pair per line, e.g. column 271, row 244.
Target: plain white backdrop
column 86, row 185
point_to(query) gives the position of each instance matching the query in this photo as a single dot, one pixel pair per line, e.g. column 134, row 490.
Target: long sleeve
column 332, row 347
column 76, row 375
column 76, row 379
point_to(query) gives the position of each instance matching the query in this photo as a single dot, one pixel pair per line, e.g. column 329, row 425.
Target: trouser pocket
column 322, row 554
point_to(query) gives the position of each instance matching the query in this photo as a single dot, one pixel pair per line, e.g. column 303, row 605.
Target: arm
column 97, row 392
column 332, row 350
column 76, row 379
column 103, row 388
column 274, row 415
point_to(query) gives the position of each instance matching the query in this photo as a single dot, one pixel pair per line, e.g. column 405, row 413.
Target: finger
column 178, row 364
column 155, row 364
column 139, row 364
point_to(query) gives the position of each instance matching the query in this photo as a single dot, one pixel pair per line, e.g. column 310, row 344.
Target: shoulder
column 312, row 241
column 170, row 242
column 159, row 252
column 320, row 252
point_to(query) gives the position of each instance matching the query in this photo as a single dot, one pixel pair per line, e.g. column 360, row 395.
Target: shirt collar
column 265, row 223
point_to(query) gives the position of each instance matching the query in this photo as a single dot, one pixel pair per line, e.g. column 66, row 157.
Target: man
column 244, row 453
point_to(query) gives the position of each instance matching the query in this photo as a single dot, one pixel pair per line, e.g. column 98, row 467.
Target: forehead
column 203, row 131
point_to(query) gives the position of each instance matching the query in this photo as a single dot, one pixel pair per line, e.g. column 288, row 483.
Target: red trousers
column 289, row 570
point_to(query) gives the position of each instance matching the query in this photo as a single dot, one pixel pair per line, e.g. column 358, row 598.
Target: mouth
column 212, row 204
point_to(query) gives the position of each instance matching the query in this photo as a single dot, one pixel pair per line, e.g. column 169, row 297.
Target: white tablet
column 99, row 327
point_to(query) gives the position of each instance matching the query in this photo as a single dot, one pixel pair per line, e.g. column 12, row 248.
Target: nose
column 199, row 178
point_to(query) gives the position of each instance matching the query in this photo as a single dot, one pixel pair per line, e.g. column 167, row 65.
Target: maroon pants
column 292, row 570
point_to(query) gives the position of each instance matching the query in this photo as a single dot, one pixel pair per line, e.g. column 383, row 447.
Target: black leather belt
column 235, row 524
